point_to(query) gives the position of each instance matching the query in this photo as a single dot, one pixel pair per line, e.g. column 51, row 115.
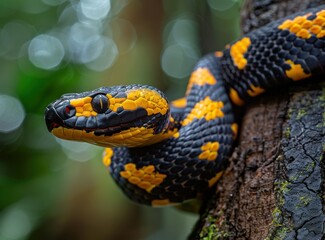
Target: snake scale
column 162, row 153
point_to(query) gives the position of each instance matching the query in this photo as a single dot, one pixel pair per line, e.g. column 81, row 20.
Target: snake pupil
column 100, row 103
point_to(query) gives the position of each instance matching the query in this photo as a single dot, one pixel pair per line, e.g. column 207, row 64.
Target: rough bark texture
column 273, row 187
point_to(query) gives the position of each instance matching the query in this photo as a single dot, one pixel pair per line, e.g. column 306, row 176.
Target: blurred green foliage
column 53, row 189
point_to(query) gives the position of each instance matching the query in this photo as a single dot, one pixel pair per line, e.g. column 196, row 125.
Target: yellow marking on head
column 176, row 135
column 303, row 33
column 304, row 28
column 319, row 20
column 296, row 72
column 286, row 24
column 215, row 179
column 307, row 25
column 200, row 76
column 207, row 109
column 321, row 13
column 234, row 128
column 233, row 94
column 80, row 102
column 321, row 34
column 315, row 29
column 254, row 91
column 83, row 107
column 295, row 28
column 209, row 151
column 145, row 177
column 218, row 53
column 160, row 202
column 147, row 99
column 180, row 103
column 132, row 137
column 107, row 156
column 238, row 50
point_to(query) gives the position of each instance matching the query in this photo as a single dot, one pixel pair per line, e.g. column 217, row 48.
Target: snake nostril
column 69, row 111
column 51, row 118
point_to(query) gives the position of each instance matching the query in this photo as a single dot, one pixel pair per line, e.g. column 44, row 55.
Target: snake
column 162, row 153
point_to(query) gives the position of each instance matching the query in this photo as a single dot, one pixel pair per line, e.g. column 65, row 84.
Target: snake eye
column 100, row 103
column 70, row 111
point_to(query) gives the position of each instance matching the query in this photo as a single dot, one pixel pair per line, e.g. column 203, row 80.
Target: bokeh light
column 12, row 36
column 106, row 57
column 85, row 43
column 78, row 151
column 15, row 223
column 180, row 53
column 181, row 31
column 12, row 113
column 178, row 60
column 95, row 9
column 82, row 36
column 45, row 51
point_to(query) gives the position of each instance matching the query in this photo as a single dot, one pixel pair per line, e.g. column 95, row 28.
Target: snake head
column 110, row 116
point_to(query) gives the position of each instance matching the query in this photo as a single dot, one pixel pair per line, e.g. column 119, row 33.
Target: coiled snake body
column 161, row 153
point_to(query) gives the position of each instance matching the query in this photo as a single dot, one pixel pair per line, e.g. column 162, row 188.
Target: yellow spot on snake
column 180, row 103
column 233, row 94
column 209, row 151
column 234, row 128
column 201, row 76
column 296, row 72
column 207, row 109
column 160, row 202
column 321, row 13
column 213, row 180
column 218, row 54
column 295, row 28
column 238, row 50
column 83, row 107
column 254, row 91
column 315, row 29
column 303, row 27
column 145, row 177
column 107, row 156
column 303, row 33
column 129, row 105
column 321, row 34
column 176, row 135
column 147, row 99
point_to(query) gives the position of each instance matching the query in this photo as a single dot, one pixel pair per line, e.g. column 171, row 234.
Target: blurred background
column 54, row 189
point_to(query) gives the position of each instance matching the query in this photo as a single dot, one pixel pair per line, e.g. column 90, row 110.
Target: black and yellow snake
column 161, row 153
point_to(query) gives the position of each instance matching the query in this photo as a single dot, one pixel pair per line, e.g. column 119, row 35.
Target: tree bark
column 273, row 187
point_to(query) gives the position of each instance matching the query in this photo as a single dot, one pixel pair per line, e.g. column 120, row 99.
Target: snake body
column 161, row 153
